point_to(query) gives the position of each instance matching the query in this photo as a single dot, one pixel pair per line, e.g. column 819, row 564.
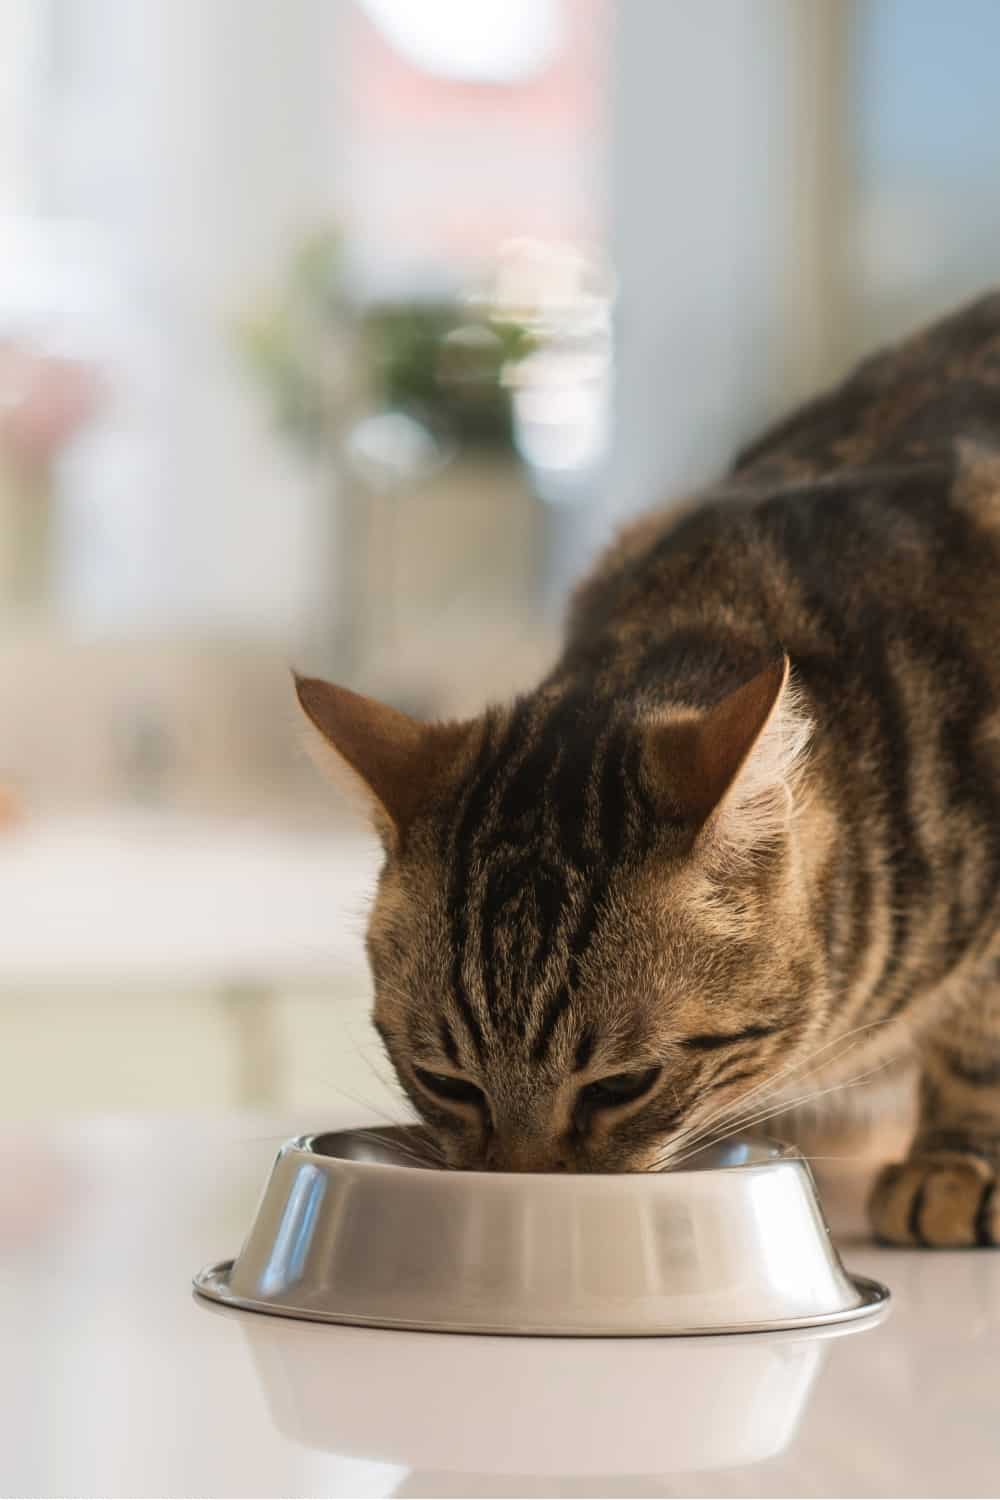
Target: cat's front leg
column 945, row 1195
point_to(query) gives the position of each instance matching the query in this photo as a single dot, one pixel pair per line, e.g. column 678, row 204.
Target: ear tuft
column 392, row 762
column 763, row 797
column 731, row 771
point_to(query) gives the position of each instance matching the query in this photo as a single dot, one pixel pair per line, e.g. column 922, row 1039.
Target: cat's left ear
column 730, row 770
column 390, row 762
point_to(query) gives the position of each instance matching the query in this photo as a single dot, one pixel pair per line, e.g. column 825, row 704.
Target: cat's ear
column 389, row 762
column 731, row 768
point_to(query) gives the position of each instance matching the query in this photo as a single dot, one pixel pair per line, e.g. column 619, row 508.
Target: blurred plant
column 555, row 291
column 325, row 364
column 383, row 398
column 437, row 362
column 302, row 347
column 560, row 389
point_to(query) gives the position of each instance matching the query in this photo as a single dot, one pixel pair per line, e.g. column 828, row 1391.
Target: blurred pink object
column 44, row 401
column 11, row 808
column 37, row 1188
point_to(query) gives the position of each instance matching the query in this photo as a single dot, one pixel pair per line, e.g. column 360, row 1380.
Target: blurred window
column 926, row 157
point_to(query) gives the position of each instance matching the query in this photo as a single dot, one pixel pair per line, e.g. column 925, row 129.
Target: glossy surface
column 350, row 1230
column 116, row 1380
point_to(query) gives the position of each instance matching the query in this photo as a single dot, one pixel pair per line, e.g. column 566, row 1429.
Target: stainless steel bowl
column 351, row 1229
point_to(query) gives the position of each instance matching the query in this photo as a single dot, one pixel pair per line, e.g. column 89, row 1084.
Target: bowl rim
column 778, row 1153
column 213, row 1284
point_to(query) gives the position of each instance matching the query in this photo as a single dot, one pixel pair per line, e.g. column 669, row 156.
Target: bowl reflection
column 492, row 1405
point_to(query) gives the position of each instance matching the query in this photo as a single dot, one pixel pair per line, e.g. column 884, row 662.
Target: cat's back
column 874, row 511
column 909, row 402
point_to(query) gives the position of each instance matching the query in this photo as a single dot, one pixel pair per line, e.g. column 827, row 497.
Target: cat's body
column 629, row 911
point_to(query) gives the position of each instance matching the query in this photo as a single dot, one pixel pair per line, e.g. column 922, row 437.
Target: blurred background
column 342, row 333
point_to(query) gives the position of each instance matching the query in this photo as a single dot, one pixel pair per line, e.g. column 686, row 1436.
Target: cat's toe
column 943, row 1200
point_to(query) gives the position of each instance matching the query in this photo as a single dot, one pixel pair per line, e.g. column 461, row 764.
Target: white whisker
column 765, row 1113
column 699, row 1127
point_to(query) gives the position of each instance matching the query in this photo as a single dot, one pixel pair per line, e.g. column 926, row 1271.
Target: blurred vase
column 44, row 401
column 389, row 455
column 25, row 533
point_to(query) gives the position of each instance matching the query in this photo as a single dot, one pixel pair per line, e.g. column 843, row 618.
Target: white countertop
column 116, row 1381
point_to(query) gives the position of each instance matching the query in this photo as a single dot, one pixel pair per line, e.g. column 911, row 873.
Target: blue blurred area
column 927, row 89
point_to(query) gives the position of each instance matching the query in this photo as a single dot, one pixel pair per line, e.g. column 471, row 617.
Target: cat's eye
column 618, row 1088
column 450, row 1089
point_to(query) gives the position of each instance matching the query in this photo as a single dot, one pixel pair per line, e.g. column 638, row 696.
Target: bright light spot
column 552, row 288
column 390, row 449
column 562, row 410
column 476, row 41
column 563, row 295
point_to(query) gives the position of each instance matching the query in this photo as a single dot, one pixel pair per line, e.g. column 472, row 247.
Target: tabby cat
column 744, row 839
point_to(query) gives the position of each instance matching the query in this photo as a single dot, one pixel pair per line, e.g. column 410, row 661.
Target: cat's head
column 590, row 935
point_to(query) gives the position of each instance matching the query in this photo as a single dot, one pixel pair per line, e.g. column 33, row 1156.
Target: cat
column 743, row 841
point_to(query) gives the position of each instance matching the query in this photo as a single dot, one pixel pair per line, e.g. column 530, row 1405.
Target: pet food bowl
column 352, row 1229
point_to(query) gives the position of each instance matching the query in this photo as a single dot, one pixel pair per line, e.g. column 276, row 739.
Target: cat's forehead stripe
column 548, row 813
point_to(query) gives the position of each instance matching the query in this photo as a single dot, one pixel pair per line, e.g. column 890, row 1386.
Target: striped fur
column 640, row 865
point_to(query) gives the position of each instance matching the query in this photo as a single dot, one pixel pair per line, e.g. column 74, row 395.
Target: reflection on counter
column 535, row 1406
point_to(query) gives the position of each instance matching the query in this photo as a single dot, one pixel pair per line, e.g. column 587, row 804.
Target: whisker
column 731, row 1119
column 778, row 1107
column 430, row 1155
column 766, row 1082
column 834, row 1156
column 390, row 1082
column 692, row 1131
column 423, row 1152
column 262, row 1140
column 362, row 1103
column 767, row 1112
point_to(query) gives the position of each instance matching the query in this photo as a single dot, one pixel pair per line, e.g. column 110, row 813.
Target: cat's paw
column 944, row 1200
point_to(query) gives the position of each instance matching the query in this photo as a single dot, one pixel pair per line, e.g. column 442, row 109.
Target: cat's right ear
column 389, row 762
column 731, row 769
